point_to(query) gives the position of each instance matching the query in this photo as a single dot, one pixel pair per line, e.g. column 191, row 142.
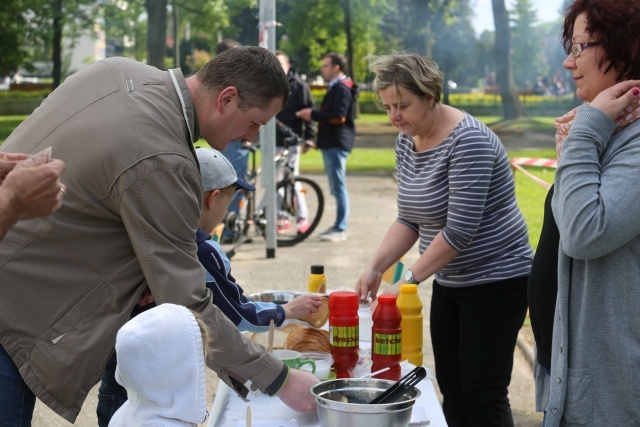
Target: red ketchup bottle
column 343, row 331
column 386, row 338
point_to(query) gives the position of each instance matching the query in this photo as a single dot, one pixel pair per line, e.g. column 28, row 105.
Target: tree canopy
column 152, row 30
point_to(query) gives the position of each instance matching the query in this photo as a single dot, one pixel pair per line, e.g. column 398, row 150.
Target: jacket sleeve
column 230, row 298
column 309, row 128
column 337, row 110
column 160, row 211
column 596, row 199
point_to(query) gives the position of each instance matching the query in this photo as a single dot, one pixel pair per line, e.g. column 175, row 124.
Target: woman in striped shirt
column 456, row 195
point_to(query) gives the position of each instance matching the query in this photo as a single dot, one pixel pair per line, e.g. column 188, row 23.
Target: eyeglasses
column 578, row 48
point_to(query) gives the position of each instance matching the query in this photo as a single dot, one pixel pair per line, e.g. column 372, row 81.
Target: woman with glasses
column 589, row 372
column 456, row 197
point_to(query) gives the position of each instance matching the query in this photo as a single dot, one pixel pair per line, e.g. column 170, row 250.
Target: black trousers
column 473, row 332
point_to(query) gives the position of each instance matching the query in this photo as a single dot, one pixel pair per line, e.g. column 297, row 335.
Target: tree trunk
column 510, row 102
column 156, row 32
column 347, row 29
column 56, row 56
column 176, row 36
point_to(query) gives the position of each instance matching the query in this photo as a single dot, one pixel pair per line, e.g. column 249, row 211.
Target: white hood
column 161, row 364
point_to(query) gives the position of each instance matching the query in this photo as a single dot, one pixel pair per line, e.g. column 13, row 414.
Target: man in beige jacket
column 68, row 282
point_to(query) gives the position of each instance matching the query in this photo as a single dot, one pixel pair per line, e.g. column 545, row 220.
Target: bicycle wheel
column 299, row 199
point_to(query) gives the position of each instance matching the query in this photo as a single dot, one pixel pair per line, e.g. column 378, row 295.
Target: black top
column 299, row 98
column 543, row 284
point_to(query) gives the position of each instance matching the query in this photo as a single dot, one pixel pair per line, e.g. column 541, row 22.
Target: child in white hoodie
column 161, row 364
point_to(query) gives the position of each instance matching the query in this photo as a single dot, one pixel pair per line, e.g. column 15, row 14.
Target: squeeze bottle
column 317, row 280
column 411, row 308
column 386, row 345
column 344, row 331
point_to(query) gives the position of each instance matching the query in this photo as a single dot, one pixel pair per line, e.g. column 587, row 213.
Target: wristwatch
column 408, row 277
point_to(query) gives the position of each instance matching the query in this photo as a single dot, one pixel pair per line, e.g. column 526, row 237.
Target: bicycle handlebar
column 290, row 138
column 289, row 134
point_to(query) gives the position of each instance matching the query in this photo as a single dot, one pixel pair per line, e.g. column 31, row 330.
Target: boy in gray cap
column 219, row 182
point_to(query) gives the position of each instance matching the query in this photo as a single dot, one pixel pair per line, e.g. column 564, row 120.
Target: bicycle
column 288, row 203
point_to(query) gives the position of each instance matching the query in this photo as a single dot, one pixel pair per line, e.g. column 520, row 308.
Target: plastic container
column 386, row 346
column 411, row 309
column 324, row 361
column 317, row 280
column 365, row 316
column 344, row 331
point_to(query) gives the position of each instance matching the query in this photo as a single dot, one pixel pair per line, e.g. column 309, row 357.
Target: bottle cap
column 387, row 299
column 408, row 289
column 317, row 269
column 343, row 299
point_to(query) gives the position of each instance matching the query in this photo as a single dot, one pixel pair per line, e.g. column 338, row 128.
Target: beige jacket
column 68, row 282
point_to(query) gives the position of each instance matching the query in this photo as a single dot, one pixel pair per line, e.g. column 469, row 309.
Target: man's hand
column 302, row 306
column 296, row 391
column 33, row 189
column 308, row 145
column 8, row 161
column 304, row 114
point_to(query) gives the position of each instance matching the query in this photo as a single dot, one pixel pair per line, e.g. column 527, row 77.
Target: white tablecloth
column 228, row 410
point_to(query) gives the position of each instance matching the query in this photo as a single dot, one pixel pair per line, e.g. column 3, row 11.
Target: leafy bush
column 20, row 94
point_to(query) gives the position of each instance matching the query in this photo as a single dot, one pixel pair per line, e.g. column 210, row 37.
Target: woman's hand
column 369, row 282
column 617, row 98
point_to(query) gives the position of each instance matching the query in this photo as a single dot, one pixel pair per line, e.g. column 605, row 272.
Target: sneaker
column 303, row 225
column 333, row 236
column 283, row 225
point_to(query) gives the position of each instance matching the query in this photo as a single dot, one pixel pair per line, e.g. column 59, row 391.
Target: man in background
column 336, row 136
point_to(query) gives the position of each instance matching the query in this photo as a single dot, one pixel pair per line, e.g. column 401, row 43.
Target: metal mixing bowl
column 279, row 297
column 343, row 402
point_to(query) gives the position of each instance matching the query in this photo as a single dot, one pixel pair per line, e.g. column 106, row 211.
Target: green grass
column 8, row 124
column 372, row 119
column 530, row 194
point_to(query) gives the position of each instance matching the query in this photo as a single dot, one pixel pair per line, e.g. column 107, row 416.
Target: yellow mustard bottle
column 411, row 309
column 317, row 280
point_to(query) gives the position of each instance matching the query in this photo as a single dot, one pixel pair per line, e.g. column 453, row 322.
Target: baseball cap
column 217, row 172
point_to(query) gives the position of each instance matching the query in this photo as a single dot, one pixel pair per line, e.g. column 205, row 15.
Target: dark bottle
column 386, row 338
column 344, row 334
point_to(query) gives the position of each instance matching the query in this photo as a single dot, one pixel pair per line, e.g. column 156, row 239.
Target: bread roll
column 291, row 327
column 319, row 318
column 308, row 339
column 279, row 338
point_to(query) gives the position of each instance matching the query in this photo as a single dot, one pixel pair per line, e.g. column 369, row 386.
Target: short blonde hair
column 207, row 334
column 416, row 73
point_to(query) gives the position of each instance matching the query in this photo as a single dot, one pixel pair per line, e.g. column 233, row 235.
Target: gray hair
column 254, row 71
column 416, row 73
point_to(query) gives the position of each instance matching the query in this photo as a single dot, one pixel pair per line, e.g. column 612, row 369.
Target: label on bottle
column 344, row 336
column 387, row 344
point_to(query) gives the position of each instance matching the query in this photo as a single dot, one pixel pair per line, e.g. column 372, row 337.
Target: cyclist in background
column 299, row 98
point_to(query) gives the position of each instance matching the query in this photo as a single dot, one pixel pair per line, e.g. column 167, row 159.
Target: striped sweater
column 465, row 189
